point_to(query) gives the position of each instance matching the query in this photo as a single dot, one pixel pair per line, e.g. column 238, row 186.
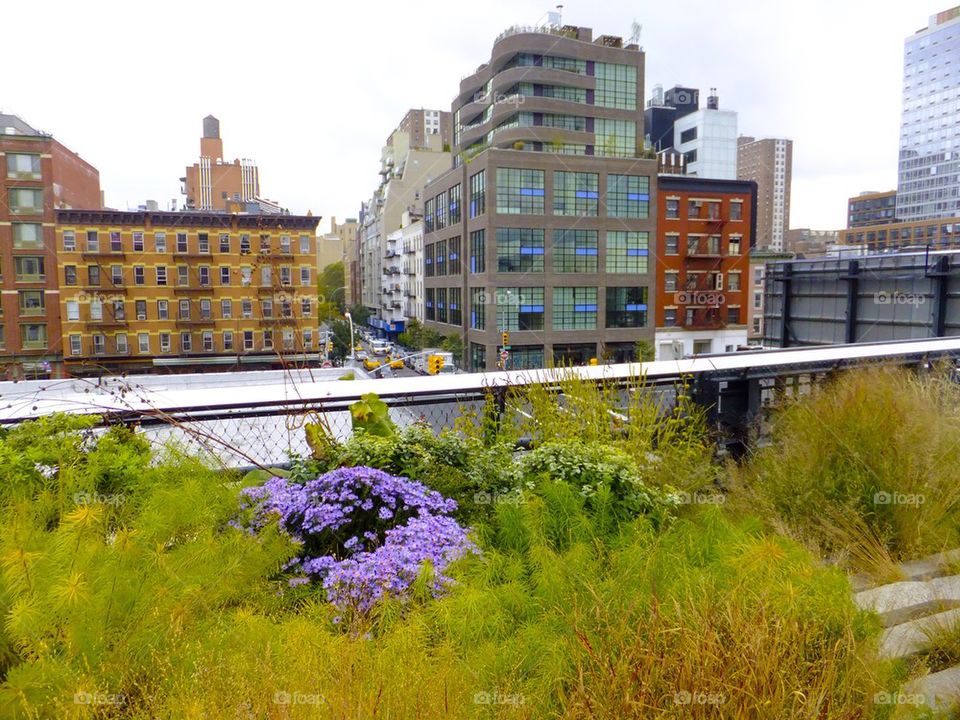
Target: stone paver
column 940, row 691
column 899, row 602
column 910, row 638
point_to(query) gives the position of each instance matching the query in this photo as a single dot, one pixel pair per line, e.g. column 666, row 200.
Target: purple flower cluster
column 365, row 534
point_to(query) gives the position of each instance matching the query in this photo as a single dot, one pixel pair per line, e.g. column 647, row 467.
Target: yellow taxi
column 397, row 364
column 371, row 364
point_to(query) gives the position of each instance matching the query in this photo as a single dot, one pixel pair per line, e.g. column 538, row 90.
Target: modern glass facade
column 929, row 173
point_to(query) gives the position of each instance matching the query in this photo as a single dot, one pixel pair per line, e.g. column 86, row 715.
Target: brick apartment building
column 39, row 175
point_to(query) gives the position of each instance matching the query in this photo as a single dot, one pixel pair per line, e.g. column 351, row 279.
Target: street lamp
column 503, row 327
column 349, row 317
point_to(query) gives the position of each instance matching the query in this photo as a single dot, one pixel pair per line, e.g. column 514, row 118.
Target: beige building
column 769, row 163
column 213, row 184
column 332, row 247
column 804, row 242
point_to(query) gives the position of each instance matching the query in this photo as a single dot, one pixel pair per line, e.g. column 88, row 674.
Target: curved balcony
column 508, row 137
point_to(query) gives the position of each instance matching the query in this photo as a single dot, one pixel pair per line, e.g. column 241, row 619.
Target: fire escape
column 703, row 258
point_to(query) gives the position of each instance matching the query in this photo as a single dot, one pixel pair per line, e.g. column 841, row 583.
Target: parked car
column 370, row 363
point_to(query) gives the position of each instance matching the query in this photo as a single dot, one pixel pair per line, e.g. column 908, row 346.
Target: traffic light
column 593, row 361
column 434, row 364
column 506, row 339
column 329, row 346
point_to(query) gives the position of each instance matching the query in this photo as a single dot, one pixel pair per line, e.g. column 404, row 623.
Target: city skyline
column 318, row 153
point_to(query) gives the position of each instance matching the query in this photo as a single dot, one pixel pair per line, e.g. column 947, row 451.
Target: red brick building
column 705, row 229
column 38, row 175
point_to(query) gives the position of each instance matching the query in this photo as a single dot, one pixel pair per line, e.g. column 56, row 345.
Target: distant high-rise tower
column 769, row 163
column 212, row 184
column 929, row 175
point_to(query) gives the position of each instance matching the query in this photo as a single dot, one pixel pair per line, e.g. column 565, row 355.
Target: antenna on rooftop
column 636, row 28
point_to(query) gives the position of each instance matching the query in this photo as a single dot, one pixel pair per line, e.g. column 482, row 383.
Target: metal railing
column 257, row 418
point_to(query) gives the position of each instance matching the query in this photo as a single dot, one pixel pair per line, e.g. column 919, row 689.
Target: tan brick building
column 769, row 163
column 211, row 183
column 147, row 291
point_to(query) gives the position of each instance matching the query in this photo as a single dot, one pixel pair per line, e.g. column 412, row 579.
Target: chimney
column 713, row 102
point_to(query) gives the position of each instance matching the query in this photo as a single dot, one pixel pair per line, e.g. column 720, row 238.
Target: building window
column 246, row 309
column 478, row 194
column 615, row 138
column 76, row 346
column 69, row 274
column 733, row 281
column 626, row 307
column 181, row 242
column 138, row 241
column 736, row 210
column 69, row 241
column 733, row 246
column 672, row 244
column 99, row 344
column 757, row 300
column 520, row 192
column 31, row 302
column 143, row 343
column 116, row 243
column 520, row 308
column 203, row 242
column 616, row 86
column 116, row 275
column 141, row 308
column 304, row 244
column 161, row 275
column 248, row 339
column 575, row 194
column 441, row 304
column 164, row 342
column 224, row 275
column 627, row 251
column 428, row 255
column 520, row 250
column 306, row 307
column 183, row 275
column 93, row 275
column 246, row 276
column 268, row 339
column 305, row 277
column 440, row 258
column 574, row 308
column 120, row 342
column 27, row 236
column 204, row 276
column 478, row 357
column 285, row 245
column 670, row 317
column 139, row 275
column 26, row 201
column 186, row 342
column 96, row 309
column 226, row 309
column 453, row 254
column 184, row 310
column 28, row 268
column 478, row 308
column 73, row 310
column 205, row 310
column 428, row 216
column 207, row 339
column 673, row 209
column 525, row 357
column 266, row 308
column 688, row 135
column 227, row 340
column 574, row 251
column 224, row 242
column 454, row 307
column 440, row 203
column 286, row 275
column 160, row 242
column 430, row 311
column 21, row 166
column 244, row 244
column 693, row 209
column 286, row 308
column 454, row 204
column 478, row 252
column 163, row 309
column 93, row 241
column 628, row 196
column 733, row 315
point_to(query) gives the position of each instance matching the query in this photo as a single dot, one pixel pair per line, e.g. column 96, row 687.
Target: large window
column 428, row 255
column 430, row 304
column 440, row 219
column 26, row 201
column 454, row 306
column 520, row 250
column 453, row 254
column 32, row 302
column 478, row 357
column 575, row 251
column 478, row 252
column 441, row 304
column 525, row 357
column 520, row 192
column 574, row 308
column 478, row 194
column 29, row 268
column 520, row 308
column 21, row 166
column 628, row 196
column 428, row 216
column 627, row 251
column 575, row 194
column 27, row 235
column 478, row 308
column 454, row 206
column 440, row 258
column 673, row 209
column 34, row 336
column 615, row 138
column 616, row 86
column 626, row 307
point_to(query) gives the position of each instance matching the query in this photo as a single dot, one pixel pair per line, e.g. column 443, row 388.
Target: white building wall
column 677, row 343
column 715, row 143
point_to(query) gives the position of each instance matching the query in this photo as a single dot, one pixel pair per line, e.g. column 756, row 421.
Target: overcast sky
column 311, row 91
